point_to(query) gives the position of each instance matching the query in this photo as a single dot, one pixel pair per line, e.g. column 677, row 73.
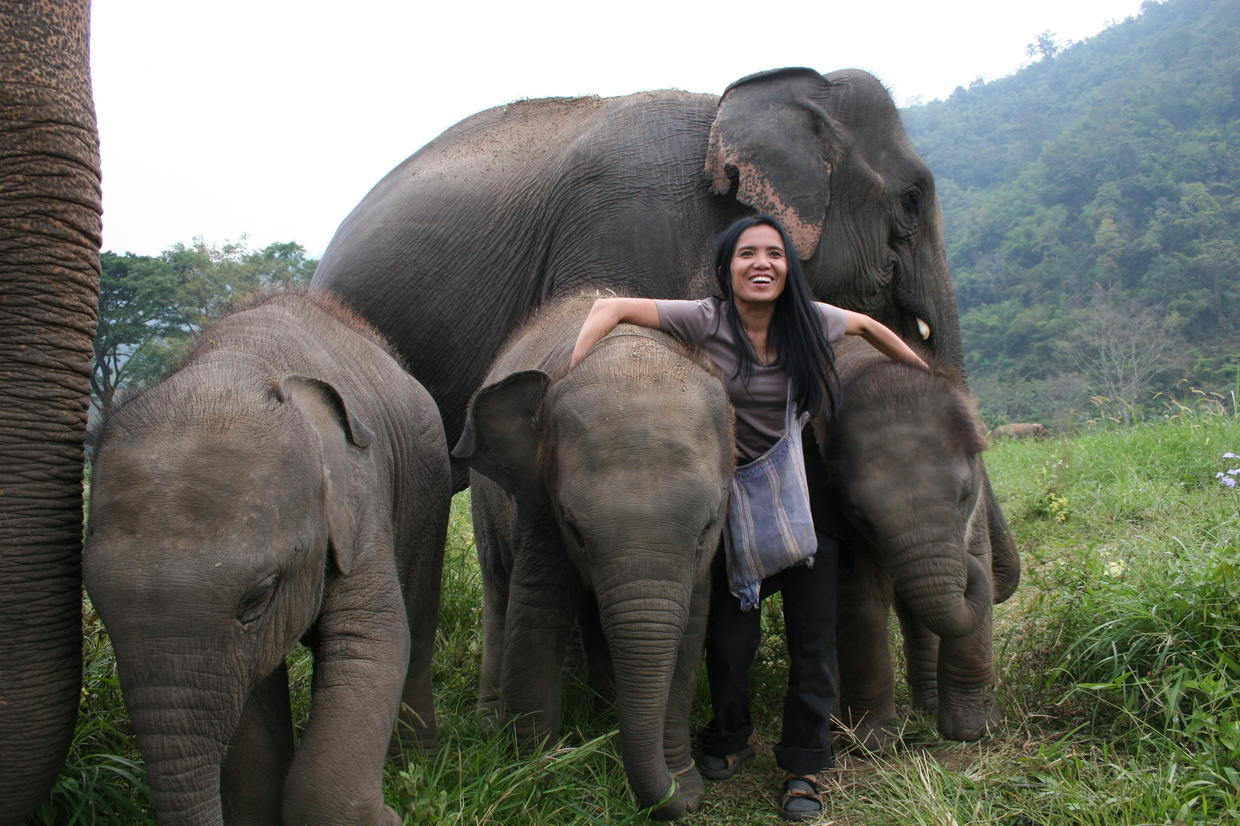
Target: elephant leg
column 597, row 653
column 259, row 755
column 921, row 658
column 677, row 742
column 494, row 610
column 491, row 546
column 421, row 582
column 361, row 659
column 867, row 695
column 967, row 707
column 542, row 605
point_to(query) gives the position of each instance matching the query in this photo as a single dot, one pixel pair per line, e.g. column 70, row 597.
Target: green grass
column 1118, row 663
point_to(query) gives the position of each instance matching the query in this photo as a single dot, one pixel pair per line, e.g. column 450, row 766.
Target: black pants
column 733, row 636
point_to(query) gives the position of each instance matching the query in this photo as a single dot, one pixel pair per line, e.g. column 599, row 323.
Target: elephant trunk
column 644, row 634
column 183, row 735
column 949, row 592
column 49, row 285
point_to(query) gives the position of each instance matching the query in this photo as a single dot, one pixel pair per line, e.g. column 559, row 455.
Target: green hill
column 1092, row 222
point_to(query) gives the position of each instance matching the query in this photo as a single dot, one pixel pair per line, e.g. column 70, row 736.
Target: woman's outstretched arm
column 882, row 338
column 606, row 314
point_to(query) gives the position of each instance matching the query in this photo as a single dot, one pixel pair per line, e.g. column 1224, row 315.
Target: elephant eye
column 704, row 536
column 966, row 493
column 255, row 603
column 574, row 533
column 912, row 202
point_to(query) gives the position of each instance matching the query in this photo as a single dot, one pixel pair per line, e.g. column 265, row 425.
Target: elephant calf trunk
column 950, row 615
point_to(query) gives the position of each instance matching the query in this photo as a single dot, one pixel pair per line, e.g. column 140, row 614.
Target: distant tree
column 1118, row 348
column 1044, row 45
column 1111, row 167
column 282, row 266
column 137, row 303
column 151, row 308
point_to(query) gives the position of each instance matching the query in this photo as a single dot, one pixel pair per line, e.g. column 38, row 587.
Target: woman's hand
column 605, row 314
column 882, row 338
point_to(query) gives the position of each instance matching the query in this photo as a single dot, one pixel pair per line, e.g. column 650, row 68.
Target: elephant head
column 630, row 454
column 828, row 156
column 910, row 476
column 223, row 504
column 49, row 283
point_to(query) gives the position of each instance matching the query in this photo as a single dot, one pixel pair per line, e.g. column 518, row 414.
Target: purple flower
column 1228, row 481
column 1230, row 455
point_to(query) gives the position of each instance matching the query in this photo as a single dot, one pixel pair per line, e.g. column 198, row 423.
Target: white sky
column 272, row 118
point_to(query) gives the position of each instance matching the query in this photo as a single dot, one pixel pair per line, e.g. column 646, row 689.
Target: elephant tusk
column 924, row 329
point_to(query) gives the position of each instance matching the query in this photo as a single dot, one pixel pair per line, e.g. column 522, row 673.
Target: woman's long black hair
column 797, row 336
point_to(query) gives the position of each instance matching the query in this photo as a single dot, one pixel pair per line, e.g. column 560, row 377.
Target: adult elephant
column 455, row 247
column 49, row 280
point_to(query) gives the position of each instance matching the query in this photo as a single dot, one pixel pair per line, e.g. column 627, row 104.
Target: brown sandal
column 721, row 768
column 800, row 790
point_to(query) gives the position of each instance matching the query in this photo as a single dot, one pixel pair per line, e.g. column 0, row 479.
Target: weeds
column 1118, row 663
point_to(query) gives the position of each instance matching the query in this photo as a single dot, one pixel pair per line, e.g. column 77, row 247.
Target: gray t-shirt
column 760, row 404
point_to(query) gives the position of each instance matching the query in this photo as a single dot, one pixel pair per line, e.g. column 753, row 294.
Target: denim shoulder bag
column 769, row 523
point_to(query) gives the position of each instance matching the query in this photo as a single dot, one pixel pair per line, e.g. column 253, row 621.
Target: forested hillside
column 1092, row 221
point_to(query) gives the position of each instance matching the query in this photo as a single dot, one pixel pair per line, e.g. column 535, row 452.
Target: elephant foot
column 685, row 795
column 968, row 721
column 402, row 744
column 490, row 716
column 926, row 702
column 871, row 733
column 383, row 815
column 691, row 787
column 388, row 817
column 676, row 807
column 533, row 739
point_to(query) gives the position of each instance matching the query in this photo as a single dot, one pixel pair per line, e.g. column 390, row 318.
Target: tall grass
column 1118, row 662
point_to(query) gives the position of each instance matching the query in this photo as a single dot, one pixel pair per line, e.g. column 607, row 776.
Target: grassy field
column 1118, row 663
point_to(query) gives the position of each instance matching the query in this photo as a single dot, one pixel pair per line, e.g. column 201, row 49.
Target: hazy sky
column 272, row 118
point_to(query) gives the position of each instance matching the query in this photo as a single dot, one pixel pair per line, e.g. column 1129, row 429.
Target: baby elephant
column 905, row 456
column 608, row 480
column 289, row 482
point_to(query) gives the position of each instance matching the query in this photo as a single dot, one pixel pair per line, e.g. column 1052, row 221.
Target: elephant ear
column 338, row 429
column 502, row 435
column 1004, row 557
column 774, row 136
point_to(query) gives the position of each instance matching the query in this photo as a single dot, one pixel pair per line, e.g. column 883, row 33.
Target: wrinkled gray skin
column 608, row 481
column 290, row 482
column 539, row 198
column 1019, row 430
column 49, row 285
column 905, row 459
column 517, row 204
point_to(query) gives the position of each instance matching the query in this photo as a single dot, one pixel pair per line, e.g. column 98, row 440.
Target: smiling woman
column 773, row 346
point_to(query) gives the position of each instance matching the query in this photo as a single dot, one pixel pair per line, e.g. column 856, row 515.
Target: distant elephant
column 290, row 482
column 1018, row 430
column 904, row 453
column 49, row 284
column 458, row 244
column 608, row 480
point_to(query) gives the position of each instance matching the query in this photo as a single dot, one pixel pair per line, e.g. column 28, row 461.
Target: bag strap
column 789, row 412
